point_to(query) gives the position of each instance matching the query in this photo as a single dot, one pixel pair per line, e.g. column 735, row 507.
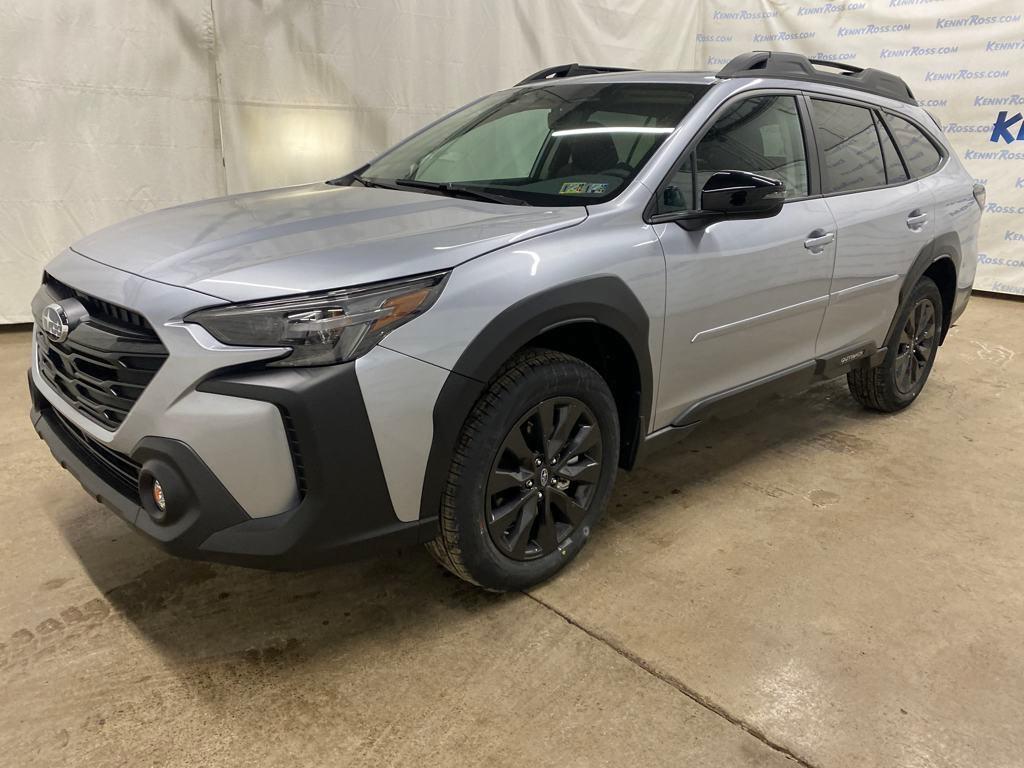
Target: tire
column 539, row 403
column 897, row 382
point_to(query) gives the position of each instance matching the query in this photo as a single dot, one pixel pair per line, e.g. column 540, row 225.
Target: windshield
column 561, row 144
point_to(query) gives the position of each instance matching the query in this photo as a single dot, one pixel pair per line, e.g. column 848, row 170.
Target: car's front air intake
column 117, row 469
column 105, row 363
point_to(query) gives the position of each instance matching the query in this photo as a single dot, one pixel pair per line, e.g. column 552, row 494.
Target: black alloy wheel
column 544, row 478
column 916, row 346
column 910, row 352
column 531, row 474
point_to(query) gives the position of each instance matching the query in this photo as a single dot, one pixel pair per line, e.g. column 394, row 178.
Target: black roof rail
column 794, row 66
column 570, row 70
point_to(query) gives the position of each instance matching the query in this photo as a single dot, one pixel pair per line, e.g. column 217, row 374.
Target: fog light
column 158, row 496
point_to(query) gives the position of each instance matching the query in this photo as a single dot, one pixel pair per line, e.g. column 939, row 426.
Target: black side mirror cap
column 742, row 193
column 726, row 195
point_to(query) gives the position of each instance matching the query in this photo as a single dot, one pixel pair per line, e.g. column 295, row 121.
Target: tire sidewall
column 488, row 565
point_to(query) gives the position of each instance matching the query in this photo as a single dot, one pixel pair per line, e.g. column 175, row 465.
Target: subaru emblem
column 60, row 318
column 54, row 322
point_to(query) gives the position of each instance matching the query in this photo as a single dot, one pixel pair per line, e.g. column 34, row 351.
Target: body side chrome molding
column 871, row 285
column 764, row 317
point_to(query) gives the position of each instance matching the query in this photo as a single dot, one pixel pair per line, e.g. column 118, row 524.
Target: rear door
column 745, row 298
column 883, row 217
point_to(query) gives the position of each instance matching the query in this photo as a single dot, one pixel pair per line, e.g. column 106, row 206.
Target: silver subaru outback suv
column 461, row 342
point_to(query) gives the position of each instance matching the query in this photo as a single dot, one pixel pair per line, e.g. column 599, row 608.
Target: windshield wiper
column 367, row 182
column 458, row 190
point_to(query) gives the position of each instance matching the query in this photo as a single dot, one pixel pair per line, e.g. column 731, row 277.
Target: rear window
column 849, row 146
column 918, row 151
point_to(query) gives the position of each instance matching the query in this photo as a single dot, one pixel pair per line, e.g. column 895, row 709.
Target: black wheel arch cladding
column 605, row 300
column 944, row 248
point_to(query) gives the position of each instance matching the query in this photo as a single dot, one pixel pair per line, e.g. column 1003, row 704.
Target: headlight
column 323, row 328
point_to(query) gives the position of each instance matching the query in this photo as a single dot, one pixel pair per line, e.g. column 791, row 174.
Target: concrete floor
column 809, row 583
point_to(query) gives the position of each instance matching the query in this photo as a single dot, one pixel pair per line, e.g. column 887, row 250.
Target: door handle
column 916, row 219
column 818, row 239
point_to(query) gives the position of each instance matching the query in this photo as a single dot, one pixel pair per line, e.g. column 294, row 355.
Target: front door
column 745, row 298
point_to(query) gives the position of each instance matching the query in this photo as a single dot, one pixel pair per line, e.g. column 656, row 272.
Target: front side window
column 760, row 134
column 849, row 146
column 921, row 155
column 559, row 144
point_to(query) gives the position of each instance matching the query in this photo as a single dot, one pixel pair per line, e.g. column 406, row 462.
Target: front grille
column 98, row 308
column 106, row 362
column 117, row 469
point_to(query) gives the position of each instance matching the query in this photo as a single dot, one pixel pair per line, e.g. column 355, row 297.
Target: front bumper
column 344, row 509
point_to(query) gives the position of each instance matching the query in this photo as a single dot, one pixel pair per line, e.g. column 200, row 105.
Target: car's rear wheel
column 532, row 472
column 898, row 381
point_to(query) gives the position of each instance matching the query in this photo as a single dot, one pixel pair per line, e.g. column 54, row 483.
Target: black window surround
column 889, row 118
column 810, row 146
column 884, row 133
column 814, row 180
column 849, row 144
column 881, row 113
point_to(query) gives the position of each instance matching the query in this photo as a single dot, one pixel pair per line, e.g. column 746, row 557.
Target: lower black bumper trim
column 344, row 515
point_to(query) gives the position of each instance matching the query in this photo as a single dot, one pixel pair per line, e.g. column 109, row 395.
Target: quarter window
column 849, row 146
column 920, row 153
column 761, row 134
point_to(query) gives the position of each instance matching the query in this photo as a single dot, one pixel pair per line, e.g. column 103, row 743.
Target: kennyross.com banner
column 964, row 61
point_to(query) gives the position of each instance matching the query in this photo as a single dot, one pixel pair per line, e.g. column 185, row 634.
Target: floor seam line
column 679, row 686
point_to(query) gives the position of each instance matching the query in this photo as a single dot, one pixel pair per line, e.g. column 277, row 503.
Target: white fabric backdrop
column 964, row 60
column 106, row 111
column 310, row 89
column 114, row 107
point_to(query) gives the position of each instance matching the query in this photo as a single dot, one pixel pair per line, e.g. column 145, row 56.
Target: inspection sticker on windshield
column 583, row 188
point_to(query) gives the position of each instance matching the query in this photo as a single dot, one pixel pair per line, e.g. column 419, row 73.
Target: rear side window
column 895, row 173
column 920, row 153
column 849, row 146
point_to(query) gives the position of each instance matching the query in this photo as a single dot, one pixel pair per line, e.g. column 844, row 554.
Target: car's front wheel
column 531, row 474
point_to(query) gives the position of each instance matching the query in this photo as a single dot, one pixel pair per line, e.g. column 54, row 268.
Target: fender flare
column 605, row 300
column 945, row 246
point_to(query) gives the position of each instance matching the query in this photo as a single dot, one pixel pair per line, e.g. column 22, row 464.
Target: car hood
column 313, row 237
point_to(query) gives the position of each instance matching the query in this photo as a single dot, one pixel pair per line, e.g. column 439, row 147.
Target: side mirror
column 726, row 195
column 742, row 194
